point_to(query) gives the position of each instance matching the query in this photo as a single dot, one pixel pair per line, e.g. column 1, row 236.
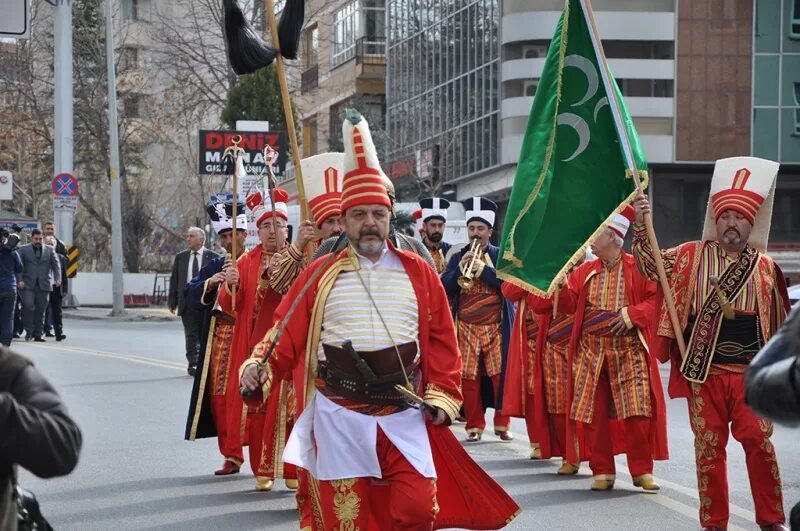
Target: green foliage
column 256, row 97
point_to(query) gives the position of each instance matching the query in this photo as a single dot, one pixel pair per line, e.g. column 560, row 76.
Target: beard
column 435, row 237
column 732, row 237
column 369, row 247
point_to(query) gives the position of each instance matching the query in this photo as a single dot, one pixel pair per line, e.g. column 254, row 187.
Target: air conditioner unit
column 529, row 87
column 534, row 51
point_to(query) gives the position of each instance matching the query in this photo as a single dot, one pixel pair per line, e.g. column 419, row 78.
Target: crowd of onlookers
column 33, row 284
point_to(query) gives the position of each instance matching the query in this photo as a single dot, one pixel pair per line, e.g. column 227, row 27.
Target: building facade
column 342, row 64
column 703, row 80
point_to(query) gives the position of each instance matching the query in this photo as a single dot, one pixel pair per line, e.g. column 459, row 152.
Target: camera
column 8, row 242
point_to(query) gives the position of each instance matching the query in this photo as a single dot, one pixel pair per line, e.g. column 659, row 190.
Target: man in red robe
column 322, row 181
column 536, row 378
column 208, row 407
column 612, row 373
column 368, row 318
column 262, row 428
column 723, row 330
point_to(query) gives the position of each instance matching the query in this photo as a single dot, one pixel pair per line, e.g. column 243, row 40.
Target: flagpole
column 628, row 152
column 287, row 110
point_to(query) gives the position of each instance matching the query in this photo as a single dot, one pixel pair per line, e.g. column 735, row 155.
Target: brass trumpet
column 465, row 280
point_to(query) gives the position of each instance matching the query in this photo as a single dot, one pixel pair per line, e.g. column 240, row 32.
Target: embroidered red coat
column 641, row 312
column 682, row 265
column 467, row 496
column 248, row 323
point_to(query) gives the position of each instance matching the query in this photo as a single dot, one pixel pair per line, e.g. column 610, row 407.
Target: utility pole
column 116, row 202
column 63, row 153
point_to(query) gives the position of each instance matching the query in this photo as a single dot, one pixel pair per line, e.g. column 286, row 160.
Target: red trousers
column 530, row 427
column 473, row 406
column 408, row 502
column 717, row 409
column 276, row 425
column 637, row 436
column 229, row 446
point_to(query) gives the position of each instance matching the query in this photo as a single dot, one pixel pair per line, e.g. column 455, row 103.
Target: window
column 311, row 46
column 128, row 59
column 797, row 110
column 534, row 51
column 345, row 32
column 310, row 136
column 133, row 105
column 358, row 20
column 794, row 32
column 136, row 10
column 647, row 88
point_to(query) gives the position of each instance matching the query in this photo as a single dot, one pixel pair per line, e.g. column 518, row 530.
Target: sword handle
column 727, row 307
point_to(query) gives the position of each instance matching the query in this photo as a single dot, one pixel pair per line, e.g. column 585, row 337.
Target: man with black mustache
column 434, row 222
column 723, row 327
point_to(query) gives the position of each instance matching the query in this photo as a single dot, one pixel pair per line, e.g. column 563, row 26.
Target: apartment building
column 343, row 63
column 702, row 79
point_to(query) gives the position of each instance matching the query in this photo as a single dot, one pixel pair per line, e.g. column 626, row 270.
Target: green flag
column 579, row 153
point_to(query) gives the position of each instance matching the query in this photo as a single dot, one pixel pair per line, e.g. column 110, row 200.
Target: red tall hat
column 322, row 180
column 261, row 206
column 363, row 182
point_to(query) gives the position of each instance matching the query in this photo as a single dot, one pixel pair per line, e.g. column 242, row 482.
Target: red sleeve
column 225, row 300
column 569, row 294
column 642, row 314
column 567, row 301
column 540, row 305
column 512, row 292
column 292, row 342
column 443, row 367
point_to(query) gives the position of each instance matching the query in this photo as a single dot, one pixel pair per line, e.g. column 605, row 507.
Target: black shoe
column 191, row 370
column 49, row 334
column 28, row 336
column 39, row 339
column 17, row 336
column 61, row 337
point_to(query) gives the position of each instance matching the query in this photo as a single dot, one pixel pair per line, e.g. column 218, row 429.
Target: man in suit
column 50, row 230
column 38, row 263
column 59, row 291
column 186, row 266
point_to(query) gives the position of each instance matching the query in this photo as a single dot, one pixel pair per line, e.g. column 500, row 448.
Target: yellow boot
column 291, row 484
column 536, row 452
column 568, row 469
column 601, row 483
column 646, row 482
column 264, row 484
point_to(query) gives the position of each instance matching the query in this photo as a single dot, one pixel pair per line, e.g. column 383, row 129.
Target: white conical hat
column 322, row 180
column 747, row 185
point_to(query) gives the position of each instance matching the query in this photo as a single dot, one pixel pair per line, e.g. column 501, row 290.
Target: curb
column 123, row 318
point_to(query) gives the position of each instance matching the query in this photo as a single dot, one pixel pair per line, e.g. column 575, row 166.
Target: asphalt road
column 126, row 384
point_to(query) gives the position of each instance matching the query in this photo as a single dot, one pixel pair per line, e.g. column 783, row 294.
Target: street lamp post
column 116, row 202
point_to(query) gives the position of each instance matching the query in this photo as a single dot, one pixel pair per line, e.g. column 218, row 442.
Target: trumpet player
column 483, row 320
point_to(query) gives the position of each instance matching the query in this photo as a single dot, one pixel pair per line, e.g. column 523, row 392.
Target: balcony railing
column 309, row 79
column 371, row 51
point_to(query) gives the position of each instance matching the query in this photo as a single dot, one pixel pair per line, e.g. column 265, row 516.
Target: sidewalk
column 93, row 313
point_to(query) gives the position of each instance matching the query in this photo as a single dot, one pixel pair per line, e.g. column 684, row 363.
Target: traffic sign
column 61, row 203
column 16, row 20
column 72, row 255
column 65, row 185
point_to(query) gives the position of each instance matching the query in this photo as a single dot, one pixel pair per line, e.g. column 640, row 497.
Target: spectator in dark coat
column 37, row 433
column 772, row 382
